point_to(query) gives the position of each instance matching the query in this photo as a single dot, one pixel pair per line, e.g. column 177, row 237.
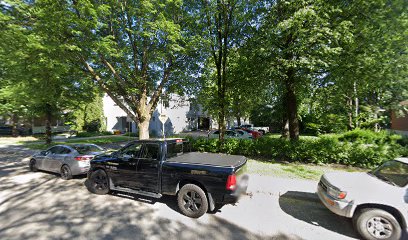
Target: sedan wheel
column 66, row 172
column 33, row 165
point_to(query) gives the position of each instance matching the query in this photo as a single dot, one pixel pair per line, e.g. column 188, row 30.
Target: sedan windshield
column 393, row 172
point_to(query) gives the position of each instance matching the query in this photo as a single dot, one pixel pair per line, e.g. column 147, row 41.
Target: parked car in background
column 377, row 201
column 262, row 130
column 156, row 167
column 21, row 131
column 255, row 134
column 67, row 160
column 241, row 134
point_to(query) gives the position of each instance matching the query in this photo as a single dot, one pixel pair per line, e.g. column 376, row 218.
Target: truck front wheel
column 192, row 201
column 99, row 182
column 375, row 224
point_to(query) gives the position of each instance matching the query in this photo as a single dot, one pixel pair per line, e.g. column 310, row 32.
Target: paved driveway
column 42, row 206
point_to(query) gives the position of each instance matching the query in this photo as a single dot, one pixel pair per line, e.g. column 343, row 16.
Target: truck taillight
column 231, row 182
column 83, row 158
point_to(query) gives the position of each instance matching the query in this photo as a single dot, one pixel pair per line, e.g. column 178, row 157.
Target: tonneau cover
column 214, row 159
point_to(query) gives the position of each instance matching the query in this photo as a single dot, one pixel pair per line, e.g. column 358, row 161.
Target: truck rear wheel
column 192, row 201
column 375, row 224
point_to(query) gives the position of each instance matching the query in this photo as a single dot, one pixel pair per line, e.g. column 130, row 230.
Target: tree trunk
column 291, row 106
column 144, row 129
column 238, row 120
column 48, row 118
column 285, row 127
column 14, row 131
column 350, row 114
column 356, row 103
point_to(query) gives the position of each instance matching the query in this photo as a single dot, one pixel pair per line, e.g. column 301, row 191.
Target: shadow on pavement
column 307, row 207
column 42, row 206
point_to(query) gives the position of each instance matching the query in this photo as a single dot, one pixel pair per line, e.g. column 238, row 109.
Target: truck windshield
column 176, row 149
column 393, row 172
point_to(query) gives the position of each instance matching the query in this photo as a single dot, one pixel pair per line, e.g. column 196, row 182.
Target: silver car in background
column 239, row 134
column 67, row 160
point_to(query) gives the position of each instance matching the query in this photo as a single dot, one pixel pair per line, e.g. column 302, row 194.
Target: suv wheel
column 375, row 224
column 99, row 182
column 192, row 201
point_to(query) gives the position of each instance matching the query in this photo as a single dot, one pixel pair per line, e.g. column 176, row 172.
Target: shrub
column 92, row 126
column 359, row 148
column 93, row 134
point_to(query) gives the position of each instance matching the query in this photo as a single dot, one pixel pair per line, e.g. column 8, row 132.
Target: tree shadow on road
column 307, row 207
column 46, row 207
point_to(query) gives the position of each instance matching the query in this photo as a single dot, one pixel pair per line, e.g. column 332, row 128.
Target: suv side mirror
column 43, row 153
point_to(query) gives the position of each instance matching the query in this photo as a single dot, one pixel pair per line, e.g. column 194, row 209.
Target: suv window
column 131, row 151
column 151, row 151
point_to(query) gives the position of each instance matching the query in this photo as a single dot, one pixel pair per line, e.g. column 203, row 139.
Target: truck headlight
column 336, row 193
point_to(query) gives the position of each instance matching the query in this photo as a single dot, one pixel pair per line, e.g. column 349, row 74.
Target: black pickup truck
column 201, row 181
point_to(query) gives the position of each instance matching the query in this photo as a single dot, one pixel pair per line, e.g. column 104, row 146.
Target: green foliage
column 93, row 134
column 357, row 148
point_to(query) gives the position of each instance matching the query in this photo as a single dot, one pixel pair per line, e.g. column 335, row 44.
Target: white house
column 182, row 116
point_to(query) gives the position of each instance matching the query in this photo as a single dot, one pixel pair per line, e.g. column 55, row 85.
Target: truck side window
column 132, row 151
column 151, row 151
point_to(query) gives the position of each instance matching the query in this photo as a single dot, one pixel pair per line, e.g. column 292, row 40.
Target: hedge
column 360, row 148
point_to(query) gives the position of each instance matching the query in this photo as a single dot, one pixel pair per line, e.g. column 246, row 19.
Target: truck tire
column 375, row 224
column 192, row 201
column 99, row 182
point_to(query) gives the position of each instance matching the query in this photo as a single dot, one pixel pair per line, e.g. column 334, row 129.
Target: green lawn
column 295, row 170
column 104, row 140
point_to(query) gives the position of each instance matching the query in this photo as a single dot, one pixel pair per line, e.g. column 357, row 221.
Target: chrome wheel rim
column 379, row 227
column 64, row 172
column 192, row 201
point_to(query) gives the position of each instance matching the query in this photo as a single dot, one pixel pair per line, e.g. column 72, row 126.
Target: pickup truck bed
column 209, row 159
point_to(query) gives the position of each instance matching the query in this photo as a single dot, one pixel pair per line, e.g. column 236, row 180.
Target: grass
column 105, row 140
column 295, row 170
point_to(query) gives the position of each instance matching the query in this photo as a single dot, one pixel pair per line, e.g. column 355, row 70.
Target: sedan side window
column 54, row 150
column 65, row 150
column 131, row 151
column 229, row 133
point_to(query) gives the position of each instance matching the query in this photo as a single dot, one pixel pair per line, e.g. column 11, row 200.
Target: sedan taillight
column 83, row 158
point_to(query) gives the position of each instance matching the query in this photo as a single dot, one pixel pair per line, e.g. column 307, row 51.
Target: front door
column 48, row 162
column 123, row 171
column 147, row 175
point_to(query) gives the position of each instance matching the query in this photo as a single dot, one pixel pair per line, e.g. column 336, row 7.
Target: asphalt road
column 42, row 206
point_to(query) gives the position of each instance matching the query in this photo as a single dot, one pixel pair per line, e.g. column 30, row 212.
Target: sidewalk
column 278, row 186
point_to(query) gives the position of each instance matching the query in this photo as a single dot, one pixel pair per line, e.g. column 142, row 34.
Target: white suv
column 377, row 201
